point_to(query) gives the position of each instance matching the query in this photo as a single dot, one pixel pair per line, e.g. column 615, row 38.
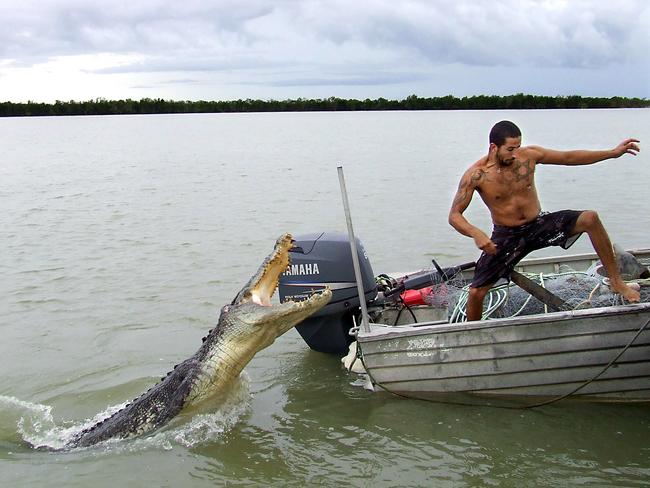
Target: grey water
column 122, row 236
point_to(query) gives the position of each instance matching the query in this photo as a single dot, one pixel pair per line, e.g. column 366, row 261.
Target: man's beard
column 505, row 162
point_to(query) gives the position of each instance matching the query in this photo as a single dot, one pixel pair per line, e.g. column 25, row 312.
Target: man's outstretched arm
column 584, row 156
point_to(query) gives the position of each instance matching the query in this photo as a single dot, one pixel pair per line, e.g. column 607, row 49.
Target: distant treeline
column 102, row 106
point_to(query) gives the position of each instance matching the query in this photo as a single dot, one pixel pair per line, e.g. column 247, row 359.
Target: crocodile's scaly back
column 249, row 324
column 148, row 412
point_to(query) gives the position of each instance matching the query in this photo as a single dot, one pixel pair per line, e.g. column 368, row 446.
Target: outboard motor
column 324, row 260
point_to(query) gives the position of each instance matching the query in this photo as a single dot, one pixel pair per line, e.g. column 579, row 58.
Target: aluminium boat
column 546, row 348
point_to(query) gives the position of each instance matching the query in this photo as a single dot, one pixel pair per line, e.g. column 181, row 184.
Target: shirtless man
column 504, row 179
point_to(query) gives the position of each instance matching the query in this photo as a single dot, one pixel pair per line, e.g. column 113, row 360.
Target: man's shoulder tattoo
column 478, row 175
column 468, row 183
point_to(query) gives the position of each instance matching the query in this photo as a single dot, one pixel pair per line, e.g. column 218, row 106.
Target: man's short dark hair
column 503, row 130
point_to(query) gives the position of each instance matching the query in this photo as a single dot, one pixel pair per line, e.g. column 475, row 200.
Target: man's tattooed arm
column 466, row 187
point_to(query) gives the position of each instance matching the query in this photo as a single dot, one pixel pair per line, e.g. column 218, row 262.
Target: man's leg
column 475, row 302
column 589, row 222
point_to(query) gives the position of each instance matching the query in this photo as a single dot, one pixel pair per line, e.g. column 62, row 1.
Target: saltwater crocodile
column 250, row 323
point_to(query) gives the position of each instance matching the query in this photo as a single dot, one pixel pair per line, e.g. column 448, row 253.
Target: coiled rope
column 498, row 296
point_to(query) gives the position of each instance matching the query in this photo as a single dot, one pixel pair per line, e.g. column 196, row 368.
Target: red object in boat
column 415, row 297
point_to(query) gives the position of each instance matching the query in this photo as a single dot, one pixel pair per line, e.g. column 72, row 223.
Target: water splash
column 18, row 413
column 203, row 427
column 34, row 424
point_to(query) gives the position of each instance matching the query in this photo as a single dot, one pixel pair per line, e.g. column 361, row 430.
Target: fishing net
column 578, row 289
column 445, row 295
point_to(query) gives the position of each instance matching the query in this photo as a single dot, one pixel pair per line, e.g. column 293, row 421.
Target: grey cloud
column 324, row 42
column 369, row 79
column 180, row 81
column 579, row 33
column 70, row 27
column 176, row 82
column 587, row 32
column 195, row 63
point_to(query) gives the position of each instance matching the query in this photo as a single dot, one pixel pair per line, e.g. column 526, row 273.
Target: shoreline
column 518, row 101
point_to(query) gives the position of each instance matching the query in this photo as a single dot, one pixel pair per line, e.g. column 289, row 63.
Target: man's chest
column 512, row 182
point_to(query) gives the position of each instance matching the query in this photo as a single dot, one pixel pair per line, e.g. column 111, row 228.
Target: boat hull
column 598, row 354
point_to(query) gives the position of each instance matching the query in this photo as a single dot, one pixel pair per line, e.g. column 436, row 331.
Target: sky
column 286, row 49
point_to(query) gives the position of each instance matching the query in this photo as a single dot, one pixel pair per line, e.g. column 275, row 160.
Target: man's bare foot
column 629, row 292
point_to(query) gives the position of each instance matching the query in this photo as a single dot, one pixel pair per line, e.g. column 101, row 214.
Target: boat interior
column 579, row 281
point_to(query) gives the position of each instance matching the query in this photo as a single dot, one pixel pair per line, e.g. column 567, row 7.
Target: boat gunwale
column 384, row 331
column 575, row 257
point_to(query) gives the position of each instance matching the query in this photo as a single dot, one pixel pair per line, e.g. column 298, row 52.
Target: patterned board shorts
column 514, row 243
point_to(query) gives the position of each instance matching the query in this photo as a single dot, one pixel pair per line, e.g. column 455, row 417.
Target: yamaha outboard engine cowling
column 325, row 260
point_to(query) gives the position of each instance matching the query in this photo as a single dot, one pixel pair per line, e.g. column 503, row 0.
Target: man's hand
column 628, row 146
column 485, row 244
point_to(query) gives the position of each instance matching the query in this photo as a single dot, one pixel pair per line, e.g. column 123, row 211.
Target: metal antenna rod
column 353, row 248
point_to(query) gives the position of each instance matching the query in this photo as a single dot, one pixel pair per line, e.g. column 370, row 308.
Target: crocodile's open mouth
column 260, row 288
column 265, row 282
